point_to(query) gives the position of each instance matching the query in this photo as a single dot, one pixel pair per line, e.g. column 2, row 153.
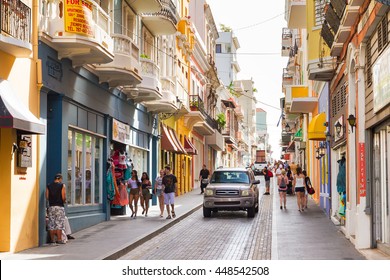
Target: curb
column 121, row 252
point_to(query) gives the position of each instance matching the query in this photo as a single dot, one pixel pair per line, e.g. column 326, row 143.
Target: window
column 218, row 48
column 129, row 25
column 85, row 181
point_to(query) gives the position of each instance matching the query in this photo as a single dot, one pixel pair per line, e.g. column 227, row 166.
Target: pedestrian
column 299, row 187
column 290, row 177
column 169, row 187
column 56, row 197
column 307, row 186
column 204, row 178
column 282, row 188
column 267, row 180
column 158, row 186
column 134, row 185
column 146, row 186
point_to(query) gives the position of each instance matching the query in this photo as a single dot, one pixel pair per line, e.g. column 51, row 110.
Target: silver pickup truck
column 232, row 189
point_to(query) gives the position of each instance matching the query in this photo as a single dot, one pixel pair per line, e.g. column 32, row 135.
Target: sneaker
column 61, row 242
column 52, row 244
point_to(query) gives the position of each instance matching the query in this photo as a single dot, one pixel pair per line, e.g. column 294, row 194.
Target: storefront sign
column 362, row 170
column 381, row 78
column 120, row 132
column 24, row 151
column 78, row 17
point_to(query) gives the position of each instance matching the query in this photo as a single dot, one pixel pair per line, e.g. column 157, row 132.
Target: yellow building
column 19, row 126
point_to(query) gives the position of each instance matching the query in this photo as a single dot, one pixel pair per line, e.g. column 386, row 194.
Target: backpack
column 270, row 174
column 283, row 184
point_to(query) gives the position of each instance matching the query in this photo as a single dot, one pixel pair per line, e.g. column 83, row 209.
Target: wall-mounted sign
column 78, row 17
column 362, row 170
column 24, row 151
column 120, row 132
column 381, row 80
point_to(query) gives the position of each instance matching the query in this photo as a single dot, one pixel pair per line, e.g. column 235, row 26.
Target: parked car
column 232, row 189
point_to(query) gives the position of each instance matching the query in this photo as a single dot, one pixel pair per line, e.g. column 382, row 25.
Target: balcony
column 168, row 103
column 197, row 119
column 298, row 100
column 321, row 69
column 150, row 87
column 125, row 69
column 163, row 22
column 84, row 37
column 239, row 112
column 146, row 6
column 287, row 78
column 215, row 140
column 15, row 25
column 287, row 41
column 295, row 13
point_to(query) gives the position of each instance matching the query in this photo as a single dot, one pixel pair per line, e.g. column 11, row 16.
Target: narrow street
column 226, row 235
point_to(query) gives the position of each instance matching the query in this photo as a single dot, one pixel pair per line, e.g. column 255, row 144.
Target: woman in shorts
column 282, row 188
column 134, row 185
column 146, row 186
column 299, row 187
column 158, row 186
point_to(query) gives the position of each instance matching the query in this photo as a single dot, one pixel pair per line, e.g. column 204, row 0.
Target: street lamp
column 338, row 127
column 322, row 149
column 352, row 121
column 287, row 128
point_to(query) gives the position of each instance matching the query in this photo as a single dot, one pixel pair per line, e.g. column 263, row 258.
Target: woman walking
column 146, row 185
column 158, row 191
column 134, row 184
column 282, row 183
column 307, row 186
column 299, row 187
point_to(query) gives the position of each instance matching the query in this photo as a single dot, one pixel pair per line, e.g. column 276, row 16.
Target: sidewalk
column 295, row 236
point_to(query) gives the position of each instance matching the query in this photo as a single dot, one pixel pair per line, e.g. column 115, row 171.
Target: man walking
column 169, row 183
column 204, row 178
column 56, row 196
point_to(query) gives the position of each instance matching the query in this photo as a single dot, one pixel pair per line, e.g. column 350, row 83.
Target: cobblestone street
column 227, row 236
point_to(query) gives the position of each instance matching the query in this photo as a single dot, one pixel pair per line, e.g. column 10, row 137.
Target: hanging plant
column 221, row 120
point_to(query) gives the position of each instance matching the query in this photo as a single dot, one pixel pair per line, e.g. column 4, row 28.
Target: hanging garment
column 110, row 185
column 342, row 204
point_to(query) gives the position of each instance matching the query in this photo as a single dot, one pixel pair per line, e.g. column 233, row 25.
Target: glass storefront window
column 84, row 164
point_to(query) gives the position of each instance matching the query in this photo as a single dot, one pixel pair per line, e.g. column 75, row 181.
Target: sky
column 258, row 27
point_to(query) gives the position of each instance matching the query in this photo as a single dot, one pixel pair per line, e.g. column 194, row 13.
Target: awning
column 317, row 128
column 298, row 135
column 189, row 147
column 169, row 141
column 13, row 114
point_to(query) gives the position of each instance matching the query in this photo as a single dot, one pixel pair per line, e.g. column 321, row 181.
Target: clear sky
column 258, row 25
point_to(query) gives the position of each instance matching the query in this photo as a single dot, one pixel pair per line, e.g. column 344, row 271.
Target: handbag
column 310, row 190
column 205, row 181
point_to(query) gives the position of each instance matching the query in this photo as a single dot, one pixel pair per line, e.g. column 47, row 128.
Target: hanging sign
column 120, row 132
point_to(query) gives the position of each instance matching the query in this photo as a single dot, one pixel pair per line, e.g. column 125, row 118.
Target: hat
column 58, row 176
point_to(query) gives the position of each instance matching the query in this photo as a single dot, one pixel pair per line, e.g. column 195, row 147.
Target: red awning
column 179, row 146
column 169, row 141
column 189, row 147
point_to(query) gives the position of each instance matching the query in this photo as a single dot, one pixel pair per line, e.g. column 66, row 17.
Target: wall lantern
column 287, row 128
column 338, row 127
column 322, row 149
column 318, row 153
column 352, row 121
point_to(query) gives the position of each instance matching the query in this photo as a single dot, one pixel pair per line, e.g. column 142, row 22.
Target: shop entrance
column 381, row 185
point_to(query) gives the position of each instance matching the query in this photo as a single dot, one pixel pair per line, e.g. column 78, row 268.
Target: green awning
column 298, row 135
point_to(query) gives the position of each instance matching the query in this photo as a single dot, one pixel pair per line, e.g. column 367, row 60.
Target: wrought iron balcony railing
column 15, row 19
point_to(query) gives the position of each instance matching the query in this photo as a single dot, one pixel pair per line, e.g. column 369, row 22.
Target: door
column 381, row 188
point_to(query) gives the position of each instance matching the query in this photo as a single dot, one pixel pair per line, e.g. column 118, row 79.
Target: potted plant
column 194, row 104
column 221, row 120
column 144, row 56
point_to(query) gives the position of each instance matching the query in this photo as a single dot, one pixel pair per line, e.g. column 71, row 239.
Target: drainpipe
column 38, row 62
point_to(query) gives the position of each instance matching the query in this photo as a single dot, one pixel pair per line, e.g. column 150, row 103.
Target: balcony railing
column 155, row 21
column 15, row 19
column 124, row 45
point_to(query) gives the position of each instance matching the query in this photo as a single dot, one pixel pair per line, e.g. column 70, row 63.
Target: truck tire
column 251, row 212
column 206, row 212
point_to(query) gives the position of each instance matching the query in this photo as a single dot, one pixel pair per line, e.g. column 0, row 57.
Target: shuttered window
column 319, row 11
column 368, row 63
column 339, row 100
